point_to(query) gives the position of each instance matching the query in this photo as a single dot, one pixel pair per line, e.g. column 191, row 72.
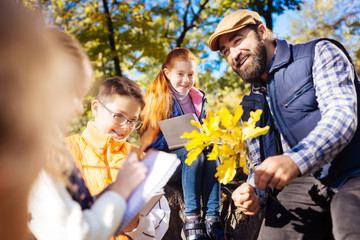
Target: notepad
column 174, row 128
column 161, row 166
column 151, row 204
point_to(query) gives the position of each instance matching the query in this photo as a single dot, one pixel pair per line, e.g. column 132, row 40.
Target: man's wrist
column 299, row 161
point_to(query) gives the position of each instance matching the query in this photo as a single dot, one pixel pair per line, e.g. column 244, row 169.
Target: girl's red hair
column 158, row 96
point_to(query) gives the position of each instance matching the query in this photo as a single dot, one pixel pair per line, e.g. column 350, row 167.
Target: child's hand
column 131, row 174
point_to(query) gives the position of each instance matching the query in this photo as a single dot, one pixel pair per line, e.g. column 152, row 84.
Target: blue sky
column 281, row 24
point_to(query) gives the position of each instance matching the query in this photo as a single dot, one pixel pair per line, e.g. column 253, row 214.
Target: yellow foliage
column 227, row 170
column 211, row 123
column 192, row 155
column 227, row 139
column 225, row 117
column 249, row 129
column 214, row 153
column 226, row 150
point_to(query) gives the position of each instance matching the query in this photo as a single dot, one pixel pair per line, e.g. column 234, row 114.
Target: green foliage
column 338, row 19
column 143, row 32
column 78, row 124
column 229, row 81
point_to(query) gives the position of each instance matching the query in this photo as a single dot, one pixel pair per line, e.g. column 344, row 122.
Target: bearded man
column 310, row 157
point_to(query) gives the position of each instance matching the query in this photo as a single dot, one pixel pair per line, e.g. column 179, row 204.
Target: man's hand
column 276, row 172
column 246, row 199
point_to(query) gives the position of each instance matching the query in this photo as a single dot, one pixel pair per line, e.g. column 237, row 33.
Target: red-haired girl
column 173, row 93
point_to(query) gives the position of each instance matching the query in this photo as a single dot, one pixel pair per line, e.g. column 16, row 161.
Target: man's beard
column 253, row 73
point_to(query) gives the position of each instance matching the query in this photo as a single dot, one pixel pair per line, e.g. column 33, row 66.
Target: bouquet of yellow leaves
column 228, row 139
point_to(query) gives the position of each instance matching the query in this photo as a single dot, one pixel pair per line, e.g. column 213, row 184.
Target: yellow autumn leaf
column 239, row 146
column 225, row 117
column 249, row 128
column 251, row 132
column 237, row 134
column 192, row 155
column 196, row 139
column 226, row 150
column 227, row 170
column 243, row 164
column 193, row 134
column 210, row 123
column 250, row 121
column 235, row 137
column 214, row 153
column 237, row 116
column 199, row 140
column 255, row 116
column 224, row 136
column 195, row 123
column 195, row 143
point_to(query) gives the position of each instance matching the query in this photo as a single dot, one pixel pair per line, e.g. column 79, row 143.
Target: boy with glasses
column 102, row 149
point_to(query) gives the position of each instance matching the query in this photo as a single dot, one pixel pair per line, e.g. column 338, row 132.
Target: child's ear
column 167, row 73
column 95, row 107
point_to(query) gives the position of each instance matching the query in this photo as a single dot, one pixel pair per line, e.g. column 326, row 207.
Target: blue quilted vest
column 295, row 109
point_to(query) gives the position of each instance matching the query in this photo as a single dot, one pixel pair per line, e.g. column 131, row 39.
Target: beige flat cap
column 232, row 22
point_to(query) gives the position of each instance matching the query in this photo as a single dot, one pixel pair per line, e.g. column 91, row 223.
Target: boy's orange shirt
column 98, row 157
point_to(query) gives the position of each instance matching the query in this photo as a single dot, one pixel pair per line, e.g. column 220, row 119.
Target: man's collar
column 282, row 56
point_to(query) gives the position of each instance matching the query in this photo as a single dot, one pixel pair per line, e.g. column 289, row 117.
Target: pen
column 104, row 167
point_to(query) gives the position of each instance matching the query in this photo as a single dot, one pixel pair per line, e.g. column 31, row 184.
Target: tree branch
column 187, row 27
column 344, row 18
column 186, row 13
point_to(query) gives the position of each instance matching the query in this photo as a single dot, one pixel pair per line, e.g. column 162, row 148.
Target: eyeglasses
column 121, row 120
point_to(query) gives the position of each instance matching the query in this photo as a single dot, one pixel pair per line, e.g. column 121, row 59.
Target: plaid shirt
column 333, row 77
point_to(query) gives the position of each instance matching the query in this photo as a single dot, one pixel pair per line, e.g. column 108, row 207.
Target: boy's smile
column 118, row 104
column 118, row 134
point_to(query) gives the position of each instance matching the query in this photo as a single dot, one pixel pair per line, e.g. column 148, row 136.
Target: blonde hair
column 158, row 96
column 75, row 67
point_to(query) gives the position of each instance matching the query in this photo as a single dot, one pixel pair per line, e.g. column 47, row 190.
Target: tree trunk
column 112, row 39
column 269, row 21
column 267, row 15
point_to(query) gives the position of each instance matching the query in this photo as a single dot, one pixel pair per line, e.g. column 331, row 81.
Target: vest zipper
column 298, row 94
column 278, row 121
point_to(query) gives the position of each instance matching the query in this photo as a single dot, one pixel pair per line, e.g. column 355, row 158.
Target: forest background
column 131, row 38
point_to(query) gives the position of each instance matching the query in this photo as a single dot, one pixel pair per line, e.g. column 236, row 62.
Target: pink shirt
column 185, row 101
